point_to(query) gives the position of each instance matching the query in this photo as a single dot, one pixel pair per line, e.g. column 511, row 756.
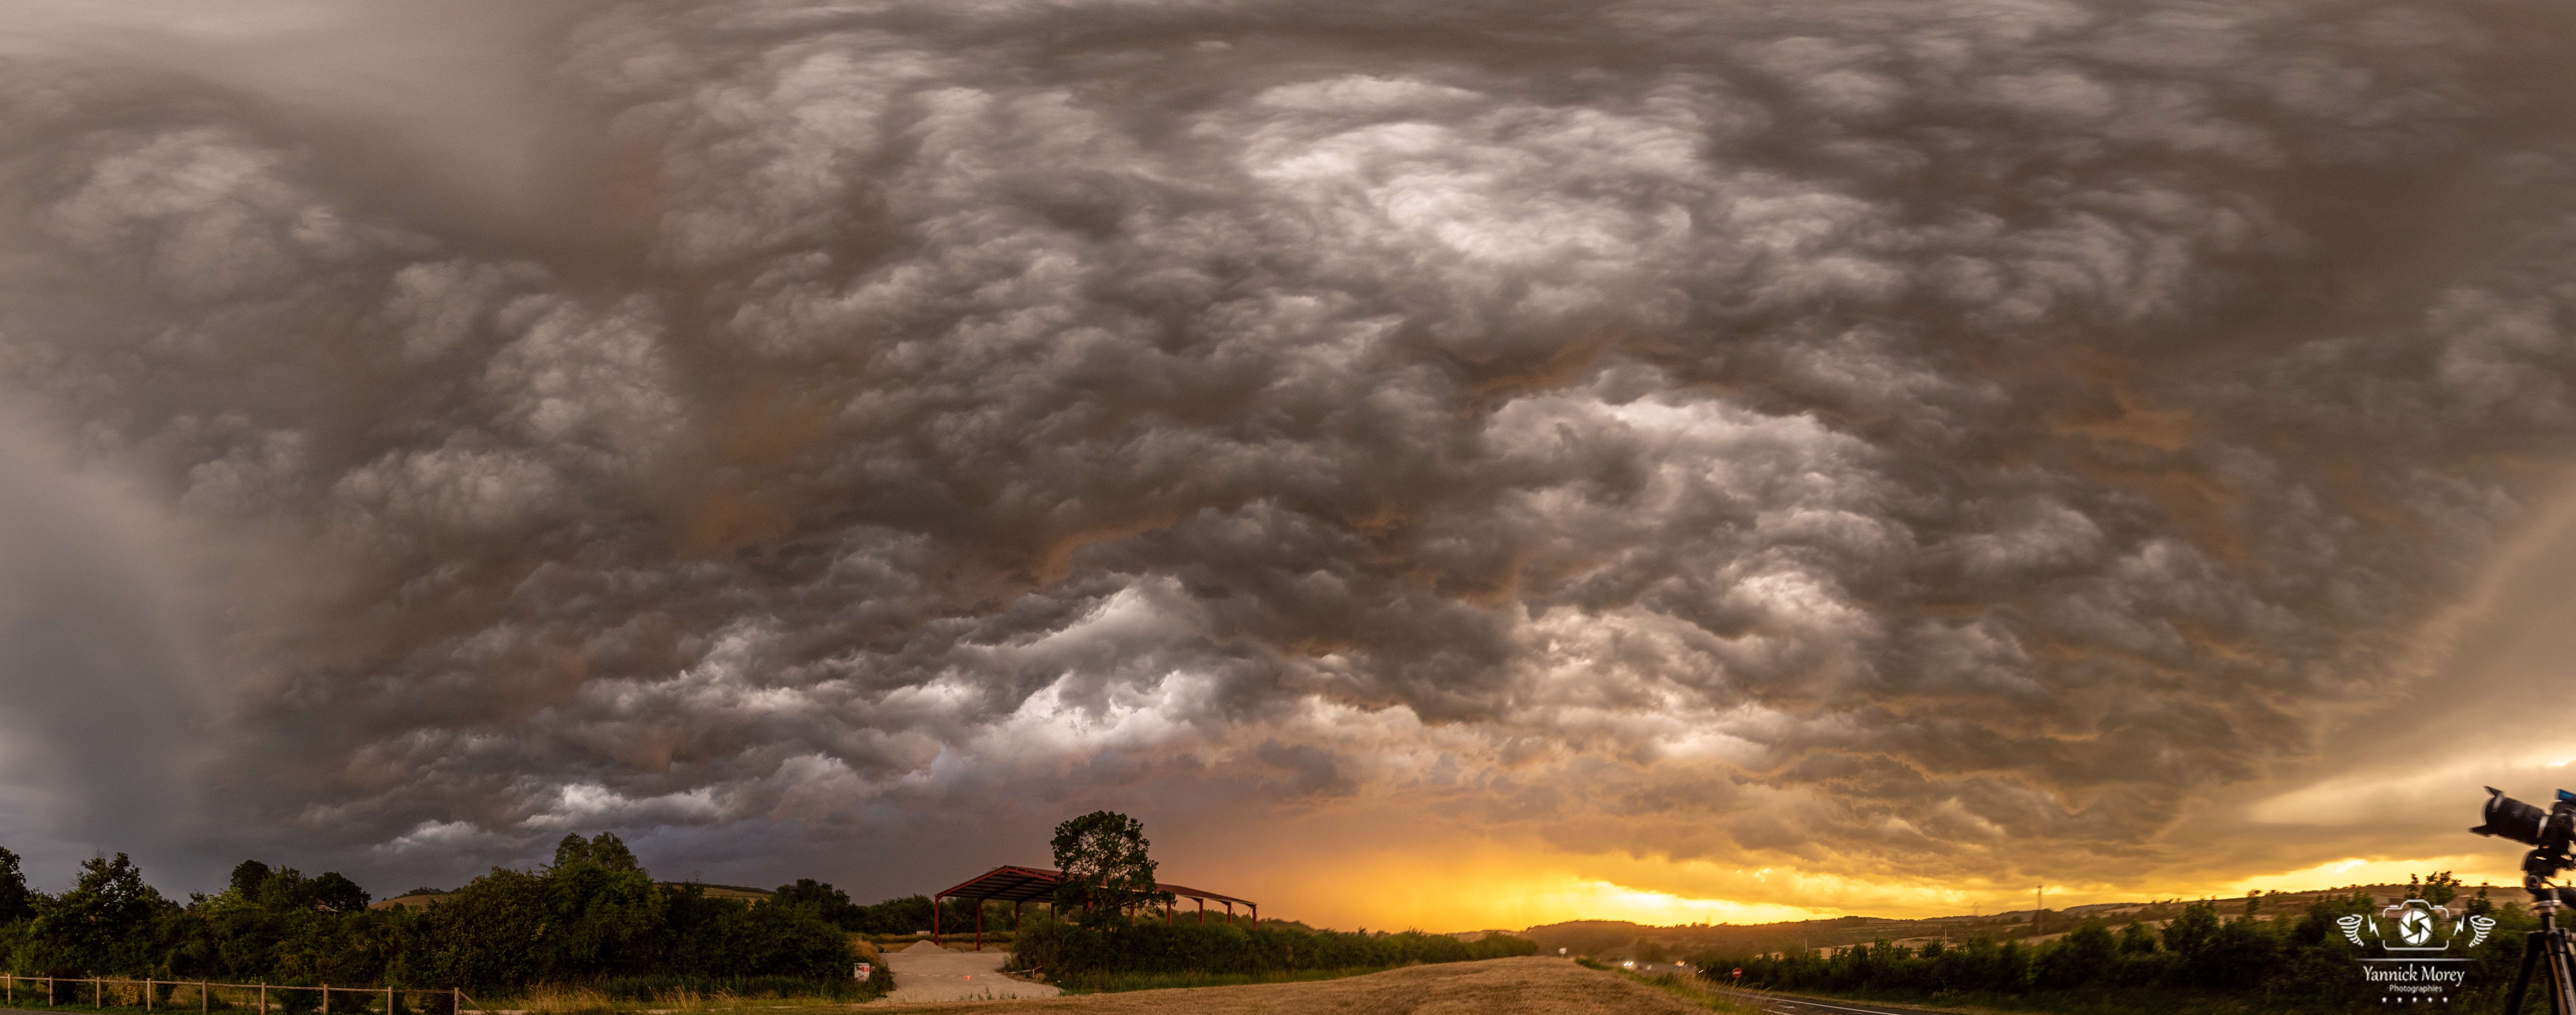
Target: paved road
column 927, row 972
column 1787, row 1004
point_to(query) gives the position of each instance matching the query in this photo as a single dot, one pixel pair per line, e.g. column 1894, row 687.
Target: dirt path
column 927, row 972
column 1526, row 986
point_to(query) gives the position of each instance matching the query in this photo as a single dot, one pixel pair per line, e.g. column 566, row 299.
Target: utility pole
column 2038, row 902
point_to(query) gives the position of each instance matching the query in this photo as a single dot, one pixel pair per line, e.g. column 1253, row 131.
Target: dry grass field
column 1524, row 986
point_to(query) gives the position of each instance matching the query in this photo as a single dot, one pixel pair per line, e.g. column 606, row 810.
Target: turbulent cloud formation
column 1914, row 438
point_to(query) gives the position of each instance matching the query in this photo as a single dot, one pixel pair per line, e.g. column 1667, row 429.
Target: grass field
column 1523, row 986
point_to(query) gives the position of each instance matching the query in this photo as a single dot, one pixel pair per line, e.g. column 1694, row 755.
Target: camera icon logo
column 2414, row 925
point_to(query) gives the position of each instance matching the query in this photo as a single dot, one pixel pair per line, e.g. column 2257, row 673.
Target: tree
column 338, row 894
column 248, row 875
column 610, row 853
column 896, row 916
column 287, row 890
column 2078, row 959
column 16, row 902
column 103, row 923
column 2136, row 939
column 484, row 935
column 832, row 904
column 572, row 851
column 603, row 911
column 1106, row 869
column 2237, row 956
column 2440, row 888
column 2193, row 930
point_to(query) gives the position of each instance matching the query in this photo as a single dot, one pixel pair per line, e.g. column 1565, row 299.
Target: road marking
column 1836, row 1007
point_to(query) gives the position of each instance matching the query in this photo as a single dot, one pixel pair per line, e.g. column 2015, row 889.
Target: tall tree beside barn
column 1106, row 870
column 16, row 902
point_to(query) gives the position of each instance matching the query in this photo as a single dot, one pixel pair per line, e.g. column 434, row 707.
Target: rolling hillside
column 1621, row 939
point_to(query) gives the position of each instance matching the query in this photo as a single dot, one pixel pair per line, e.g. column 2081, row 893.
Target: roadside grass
column 1119, row 983
column 1683, row 989
column 2104, row 1001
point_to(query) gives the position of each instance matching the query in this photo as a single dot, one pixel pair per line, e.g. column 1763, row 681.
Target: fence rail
column 149, row 993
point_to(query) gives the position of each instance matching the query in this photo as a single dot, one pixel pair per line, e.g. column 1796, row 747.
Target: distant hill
column 720, row 891
column 1622, row 939
column 422, row 897
column 414, row 899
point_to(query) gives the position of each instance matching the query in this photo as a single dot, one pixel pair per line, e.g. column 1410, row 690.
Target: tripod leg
column 2531, row 948
column 2562, row 975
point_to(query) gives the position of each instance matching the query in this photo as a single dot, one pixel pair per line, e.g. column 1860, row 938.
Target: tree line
column 592, row 916
column 2202, row 956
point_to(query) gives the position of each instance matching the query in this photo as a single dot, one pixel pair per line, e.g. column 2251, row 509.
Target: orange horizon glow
column 1493, row 889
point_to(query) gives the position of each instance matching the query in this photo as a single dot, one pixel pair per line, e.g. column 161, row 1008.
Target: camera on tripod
column 2550, row 835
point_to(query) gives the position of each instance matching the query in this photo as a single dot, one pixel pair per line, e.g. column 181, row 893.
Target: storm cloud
column 1914, row 437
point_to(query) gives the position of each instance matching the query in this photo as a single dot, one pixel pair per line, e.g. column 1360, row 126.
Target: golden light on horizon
column 1489, row 892
column 1491, row 886
column 2472, row 868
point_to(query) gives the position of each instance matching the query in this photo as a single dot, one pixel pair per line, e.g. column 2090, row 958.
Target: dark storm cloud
column 1952, row 429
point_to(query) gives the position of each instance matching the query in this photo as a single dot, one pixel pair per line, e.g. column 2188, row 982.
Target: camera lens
column 2511, row 819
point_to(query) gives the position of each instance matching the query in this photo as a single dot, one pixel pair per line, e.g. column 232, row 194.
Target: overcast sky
column 1449, row 464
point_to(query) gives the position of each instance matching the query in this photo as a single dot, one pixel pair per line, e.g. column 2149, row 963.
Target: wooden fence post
column 201, row 996
column 147, row 993
column 263, row 999
column 326, row 999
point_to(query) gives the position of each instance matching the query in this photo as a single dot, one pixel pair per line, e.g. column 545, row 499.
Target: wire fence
column 203, row 996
